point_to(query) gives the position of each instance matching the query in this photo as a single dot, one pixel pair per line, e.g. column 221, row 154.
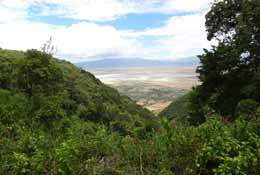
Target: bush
column 247, row 107
column 224, row 152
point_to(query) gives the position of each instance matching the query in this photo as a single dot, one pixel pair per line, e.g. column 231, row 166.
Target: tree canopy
column 230, row 71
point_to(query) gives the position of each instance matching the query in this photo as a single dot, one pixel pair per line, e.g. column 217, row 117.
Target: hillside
column 84, row 91
column 49, row 107
column 177, row 109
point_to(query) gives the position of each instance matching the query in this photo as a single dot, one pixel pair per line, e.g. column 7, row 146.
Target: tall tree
column 230, row 71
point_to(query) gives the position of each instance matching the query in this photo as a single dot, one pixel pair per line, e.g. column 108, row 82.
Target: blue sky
column 96, row 29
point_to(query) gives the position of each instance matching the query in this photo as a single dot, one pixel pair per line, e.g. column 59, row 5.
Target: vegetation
column 178, row 108
column 58, row 119
column 230, row 71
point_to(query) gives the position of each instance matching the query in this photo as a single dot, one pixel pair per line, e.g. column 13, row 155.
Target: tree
column 38, row 73
column 6, row 72
column 230, row 71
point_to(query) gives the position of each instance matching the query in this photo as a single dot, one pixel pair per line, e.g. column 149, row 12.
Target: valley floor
column 154, row 88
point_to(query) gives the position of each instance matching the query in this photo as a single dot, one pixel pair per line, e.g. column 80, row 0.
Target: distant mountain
column 188, row 61
column 136, row 62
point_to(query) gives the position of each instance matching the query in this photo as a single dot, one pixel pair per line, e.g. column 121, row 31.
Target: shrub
column 247, row 107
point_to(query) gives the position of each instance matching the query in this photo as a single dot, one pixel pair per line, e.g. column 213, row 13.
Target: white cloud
column 78, row 41
column 91, row 40
column 187, row 35
column 98, row 10
column 12, row 10
column 103, row 10
column 94, row 10
column 185, row 5
column 180, row 36
column 24, row 35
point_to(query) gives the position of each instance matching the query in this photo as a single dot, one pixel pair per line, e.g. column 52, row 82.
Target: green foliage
column 46, row 112
column 65, row 155
column 178, row 108
column 229, row 72
column 37, row 74
column 62, row 89
column 13, row 107
column 247, row 107
column 225, row 152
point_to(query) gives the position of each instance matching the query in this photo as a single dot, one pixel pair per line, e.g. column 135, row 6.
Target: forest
column 56, row 118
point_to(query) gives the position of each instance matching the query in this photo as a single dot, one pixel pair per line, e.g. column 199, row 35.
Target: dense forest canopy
column 58, row 119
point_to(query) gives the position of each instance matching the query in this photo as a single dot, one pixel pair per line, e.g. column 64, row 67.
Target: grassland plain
column 154, row 88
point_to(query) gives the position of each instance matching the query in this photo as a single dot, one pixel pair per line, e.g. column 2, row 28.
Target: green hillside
column 81, row 91
column 177, row 109
column 44, row 100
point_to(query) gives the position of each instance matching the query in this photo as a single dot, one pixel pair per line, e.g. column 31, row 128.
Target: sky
column 97, row 29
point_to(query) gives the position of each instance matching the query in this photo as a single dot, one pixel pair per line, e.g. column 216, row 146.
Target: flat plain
column 154, row 87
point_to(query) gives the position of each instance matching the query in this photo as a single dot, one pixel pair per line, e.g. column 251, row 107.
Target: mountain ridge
column 136, row 62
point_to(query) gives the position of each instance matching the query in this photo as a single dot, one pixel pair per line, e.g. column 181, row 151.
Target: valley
column 151, row 87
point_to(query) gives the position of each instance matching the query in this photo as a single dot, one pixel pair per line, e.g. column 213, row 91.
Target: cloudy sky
column 94, row 29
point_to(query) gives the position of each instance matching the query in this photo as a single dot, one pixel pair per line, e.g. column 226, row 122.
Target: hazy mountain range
column 135, row 62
